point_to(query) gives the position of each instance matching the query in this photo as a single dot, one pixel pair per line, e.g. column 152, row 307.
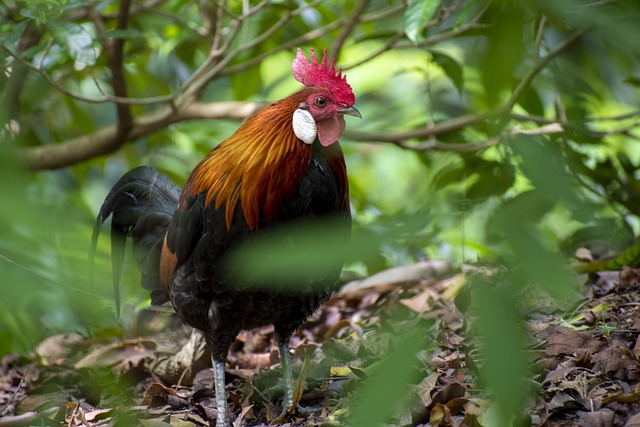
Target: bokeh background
column 500, row 133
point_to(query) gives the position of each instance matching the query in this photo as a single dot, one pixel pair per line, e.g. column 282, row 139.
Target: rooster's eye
column 320, row 102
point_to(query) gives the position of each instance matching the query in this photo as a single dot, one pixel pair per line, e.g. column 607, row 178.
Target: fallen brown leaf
column 567, row 341
column 617, row 360
column 118, row 352
column 57, row 347
column 448, row 393
column 418, row 303
column 634, row 421
column 441, row 416
column 157, row 391
column 600, row 418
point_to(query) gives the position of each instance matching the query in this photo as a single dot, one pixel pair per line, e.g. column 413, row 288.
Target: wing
column 196, row 241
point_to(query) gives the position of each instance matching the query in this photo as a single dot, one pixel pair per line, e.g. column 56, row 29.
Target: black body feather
column 205, row 292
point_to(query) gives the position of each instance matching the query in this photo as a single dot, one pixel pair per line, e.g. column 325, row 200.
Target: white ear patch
column 304, row 126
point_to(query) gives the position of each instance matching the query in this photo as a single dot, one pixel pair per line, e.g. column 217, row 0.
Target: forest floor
column 586, row 363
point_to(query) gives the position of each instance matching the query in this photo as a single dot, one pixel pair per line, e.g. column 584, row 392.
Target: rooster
column 282, row 166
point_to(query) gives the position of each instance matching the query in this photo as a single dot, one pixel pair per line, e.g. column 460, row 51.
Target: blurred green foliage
column 545, row 160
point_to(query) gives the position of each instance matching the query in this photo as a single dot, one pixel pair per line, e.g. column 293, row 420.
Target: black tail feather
column 142, row 203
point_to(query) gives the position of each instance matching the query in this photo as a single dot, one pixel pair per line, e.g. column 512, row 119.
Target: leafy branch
column 223, row 30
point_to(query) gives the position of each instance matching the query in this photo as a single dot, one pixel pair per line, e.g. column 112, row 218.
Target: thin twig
column 15, row 393
column 393, row 42
column 216, row 61
column 222, row 7
column 217, row 35
column 387, row 47
column 311, row 35
column 278, row 25
column 255, row 9
column 77, row 96
column 625, row 116
column 10, row 93
column 434, row 145
column 448, row 126
column 530, row 118
column 348, row 27
column 45, row 53
column 384, row 13
column 539, row 34
column 210, row 68
column 95, row 17
column 40, row 276
column 193, row 26
column 80, row 13
column 538, row 66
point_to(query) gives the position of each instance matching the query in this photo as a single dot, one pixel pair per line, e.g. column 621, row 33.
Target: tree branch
column 458, row 123
column 106, row 140
column 115, row 58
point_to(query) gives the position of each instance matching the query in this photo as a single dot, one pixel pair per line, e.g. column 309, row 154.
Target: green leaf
column 505, row 366
column 290, row 256
column 633, row 81
column 505, row 48
column 386, row 389
column 494, row 179
column 80, row 45
column 469, row 9
column 417, row 16
column 543, row 164
column 77, row 41
column 516, row 224
column 42, row 10
column 530, row 100
column 12, row 36
column 450, row 175
column 451, row 68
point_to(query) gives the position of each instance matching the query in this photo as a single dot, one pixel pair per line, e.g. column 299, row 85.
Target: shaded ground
column 589, row 373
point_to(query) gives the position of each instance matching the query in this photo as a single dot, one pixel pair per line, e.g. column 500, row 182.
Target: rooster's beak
column 350, row 111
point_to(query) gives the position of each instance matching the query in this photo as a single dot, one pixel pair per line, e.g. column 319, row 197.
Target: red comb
column 310, row 74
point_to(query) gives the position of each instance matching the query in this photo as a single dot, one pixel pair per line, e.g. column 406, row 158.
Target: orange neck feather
column 258, row 165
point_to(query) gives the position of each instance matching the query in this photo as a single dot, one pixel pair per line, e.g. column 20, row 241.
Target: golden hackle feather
column 257, row 166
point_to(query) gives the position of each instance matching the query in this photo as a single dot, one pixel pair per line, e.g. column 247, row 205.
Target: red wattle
column 329, row 130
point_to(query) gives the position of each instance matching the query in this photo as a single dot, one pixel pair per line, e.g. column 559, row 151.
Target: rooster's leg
column 219, row 345
column 221, row 395
column 287, row 374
